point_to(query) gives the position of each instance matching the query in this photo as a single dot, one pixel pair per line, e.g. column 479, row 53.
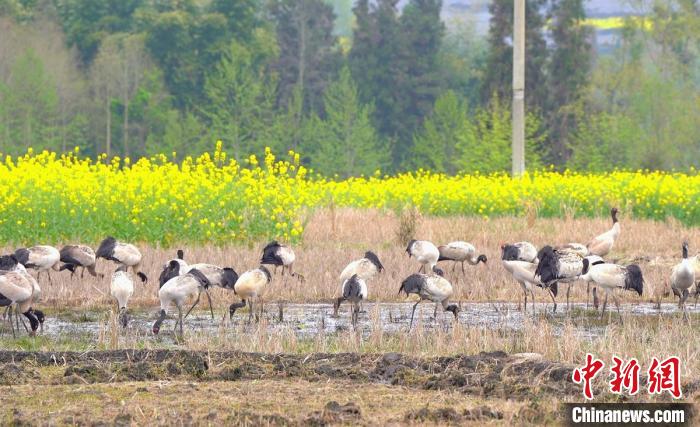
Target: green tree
column 422, row 31
column 394, row 62
column 87, row 22
column 345, row 142
column 240, row 99
column 569, row 70
column 30, row 105
column 487, row 148
column 498, row 76
column 438, row 145
column 308, row 55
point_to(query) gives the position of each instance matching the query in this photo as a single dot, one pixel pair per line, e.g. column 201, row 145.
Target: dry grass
column 264, row 402
column 335, row 237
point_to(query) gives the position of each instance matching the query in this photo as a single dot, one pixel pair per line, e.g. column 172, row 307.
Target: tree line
column 401, row 90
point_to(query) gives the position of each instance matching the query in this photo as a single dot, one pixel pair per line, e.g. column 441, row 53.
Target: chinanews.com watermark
column 662, row 377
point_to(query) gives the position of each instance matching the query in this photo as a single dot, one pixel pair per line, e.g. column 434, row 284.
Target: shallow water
column 308, row 320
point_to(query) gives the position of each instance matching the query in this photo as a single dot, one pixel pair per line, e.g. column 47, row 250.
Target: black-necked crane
column 251, row 286
column 613, row 276
column 682, row 278
column 460, row 251
column 223, row 277
column 172, row 268
column 74, row 256
column 433, row 288
column 177, row 290
column 122, row 288
column 519, row 251
column 41, row 258
column 602, row 244
column 695, row 261
column 121, row 253
column 425, row 252
column 353, row 290
column 277, row 254
column 19, row 292
column 10, row 263
column 524, row 273
column 578, row 248
column 558, row 266
column 592, row 260
column 365, row 268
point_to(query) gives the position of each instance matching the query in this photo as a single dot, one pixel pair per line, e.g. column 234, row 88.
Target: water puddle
column 308, row 320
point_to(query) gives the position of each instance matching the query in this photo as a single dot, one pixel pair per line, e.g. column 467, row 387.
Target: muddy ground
column 167, row 387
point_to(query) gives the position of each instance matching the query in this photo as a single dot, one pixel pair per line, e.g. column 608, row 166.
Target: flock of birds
column 544, row 268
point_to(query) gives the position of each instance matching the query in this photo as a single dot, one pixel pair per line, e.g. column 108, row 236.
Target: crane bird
column 429, row 287
column 365, row 268
column 250, row 286
column 224, row 277
column 40, row 258
column 177, row 290
column 578, row 248
column 524, row 273
column 172, row 268
column 277, row 254
column 74, row 256
column 459, row 252
column 558, row 266
column 425, row 252
column 592, row 260
column 121, row 288
column 121, row 253
column 682, row 278
column 354, row 290
column 602, row 244
column 18, row 291
column 9, row 263
column 519, row 251
column 613, row 276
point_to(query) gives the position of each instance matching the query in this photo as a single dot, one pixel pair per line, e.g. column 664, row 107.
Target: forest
column 402, row 89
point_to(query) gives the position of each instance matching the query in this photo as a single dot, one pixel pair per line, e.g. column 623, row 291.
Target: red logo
column 586, row 374
column 665, row 376
column 625, row 376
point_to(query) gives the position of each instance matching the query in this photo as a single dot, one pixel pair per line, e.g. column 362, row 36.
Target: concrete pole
column 518, row 87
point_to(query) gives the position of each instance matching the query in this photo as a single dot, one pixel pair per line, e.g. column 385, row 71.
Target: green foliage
column 454, row 140
column 394, row 60
column 29, row 106
column 344, row 143
column 439, row 145
column 498, row 74
column 308, row 57
column 569, row 70
column 241, row 97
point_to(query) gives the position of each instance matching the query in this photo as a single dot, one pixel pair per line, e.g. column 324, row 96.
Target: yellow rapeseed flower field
column 46, row 197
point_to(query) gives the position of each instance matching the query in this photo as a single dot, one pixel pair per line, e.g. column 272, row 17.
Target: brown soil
column 124, row 387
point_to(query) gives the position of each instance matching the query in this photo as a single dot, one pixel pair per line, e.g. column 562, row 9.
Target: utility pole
column 518, row 87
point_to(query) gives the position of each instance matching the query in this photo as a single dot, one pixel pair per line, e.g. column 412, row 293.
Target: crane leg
column 551, row 294
column 463, row 272
column 532, row 297
column 588, row 293
column 605, row 305
column 211, row 307
column 568, row 292
column 617, row 304
column 412, row 313
column 195, row 303
column 179, row 310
